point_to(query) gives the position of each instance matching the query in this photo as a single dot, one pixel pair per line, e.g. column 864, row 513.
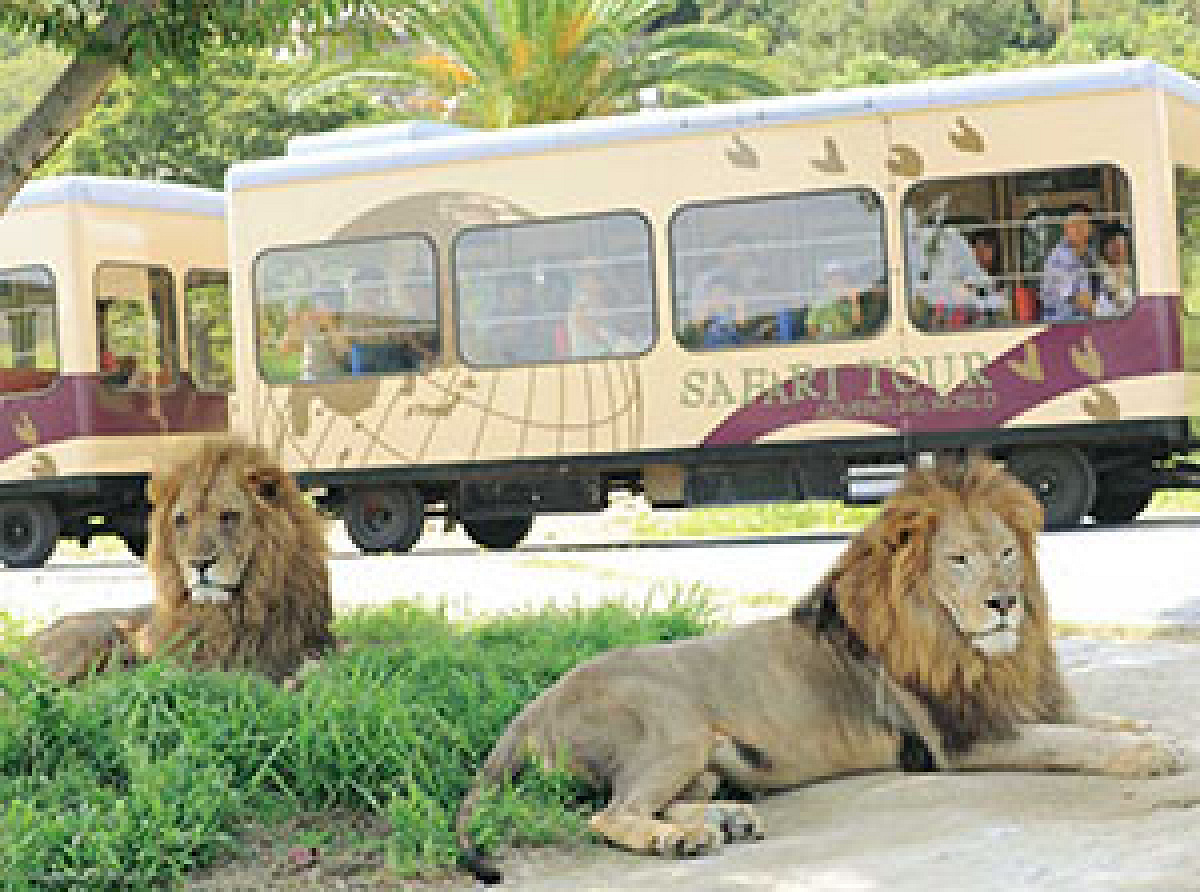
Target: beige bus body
column 83, row 421
column 671, row 413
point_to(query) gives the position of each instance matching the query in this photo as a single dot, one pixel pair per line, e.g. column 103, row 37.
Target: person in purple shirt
column 1069, row 274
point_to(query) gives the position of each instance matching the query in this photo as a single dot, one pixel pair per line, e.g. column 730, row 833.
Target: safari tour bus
column 115, row 352
column 753, row 301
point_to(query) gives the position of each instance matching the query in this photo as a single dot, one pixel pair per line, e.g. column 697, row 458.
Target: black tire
column 1061, row 477
column 382, row 519
column 28, row 532
column 133, row 529
column 1119, row 506
column 499, row 533
column 137, row 541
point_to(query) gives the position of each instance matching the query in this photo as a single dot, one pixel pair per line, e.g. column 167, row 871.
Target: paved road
column 1141, row 574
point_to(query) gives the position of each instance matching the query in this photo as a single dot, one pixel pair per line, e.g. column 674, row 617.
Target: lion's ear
column 265, row 483
column 905, row 525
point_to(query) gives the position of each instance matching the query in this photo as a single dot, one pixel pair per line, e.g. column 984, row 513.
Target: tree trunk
column 76, row 92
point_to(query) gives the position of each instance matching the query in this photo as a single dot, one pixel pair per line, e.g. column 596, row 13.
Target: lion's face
column 210, row 543
column 208, row 521
column 977, row 574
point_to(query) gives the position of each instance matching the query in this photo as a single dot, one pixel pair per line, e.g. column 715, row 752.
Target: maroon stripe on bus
column 1071, row 356
column 86, row 406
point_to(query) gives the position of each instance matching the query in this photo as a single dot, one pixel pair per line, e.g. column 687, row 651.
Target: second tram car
column 115, row 352
column 737, row 302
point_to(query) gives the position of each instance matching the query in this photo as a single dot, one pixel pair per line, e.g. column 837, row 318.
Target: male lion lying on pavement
column 239, row 562
column 927, row 646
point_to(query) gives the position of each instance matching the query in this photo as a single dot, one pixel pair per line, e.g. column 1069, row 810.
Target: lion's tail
column 503, row 764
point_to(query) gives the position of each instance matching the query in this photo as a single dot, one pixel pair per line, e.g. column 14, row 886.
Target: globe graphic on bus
column 473, row 412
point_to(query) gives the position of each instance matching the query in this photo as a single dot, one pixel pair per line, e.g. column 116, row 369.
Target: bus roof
column 121, row 193
column 416, row 144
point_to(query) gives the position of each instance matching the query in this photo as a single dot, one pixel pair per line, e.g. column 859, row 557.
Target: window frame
column 58, row 373
column 456, row 295
column 187, row 318
column 1018, row 324
column 884, row 214
column 169, row 325
column 255, row 303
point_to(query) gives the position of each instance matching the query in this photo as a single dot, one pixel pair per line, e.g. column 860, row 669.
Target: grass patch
column 1126, row 632
column 1174, row 501
column 774, row 517
column 785, row 517
column 134, row 780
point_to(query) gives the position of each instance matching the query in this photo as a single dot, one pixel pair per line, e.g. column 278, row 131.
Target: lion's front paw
column 736, row 821
column 684, row 840
column 1147, row 755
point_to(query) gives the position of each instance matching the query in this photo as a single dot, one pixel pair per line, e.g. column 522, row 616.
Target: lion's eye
column 959, row 560
column 230, row 519
column 180, row 520
column 1008, row 553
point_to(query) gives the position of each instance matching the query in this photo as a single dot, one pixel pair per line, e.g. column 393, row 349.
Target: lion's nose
column 1002, row 603
column 201, row 565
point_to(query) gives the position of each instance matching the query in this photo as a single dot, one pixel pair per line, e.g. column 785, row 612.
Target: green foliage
column 189, row 126
column 26, row 70
column 504, row 63
column 176, row 31
column 130, row 781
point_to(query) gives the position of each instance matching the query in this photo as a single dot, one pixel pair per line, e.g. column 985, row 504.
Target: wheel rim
column 16, row 528
column 1061, row 479
column 383, row 519
column 1046, row 483
column 377, row 514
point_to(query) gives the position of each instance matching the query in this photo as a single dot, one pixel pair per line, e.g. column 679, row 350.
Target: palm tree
column 505, row 63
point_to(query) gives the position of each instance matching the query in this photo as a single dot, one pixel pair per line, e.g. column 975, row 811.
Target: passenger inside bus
column 591, row 324
column 1116, row 272
column 837, row 313
column 1070, row 279
column 380, row 326
column 721, row 315
column 993, row 303
column 118, row 370
column 315, row 329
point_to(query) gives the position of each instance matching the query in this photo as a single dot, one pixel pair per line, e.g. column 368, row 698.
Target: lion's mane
column 282, row 615
column 882, row 589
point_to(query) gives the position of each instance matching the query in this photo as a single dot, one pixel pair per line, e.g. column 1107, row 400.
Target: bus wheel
column 500, row 533
column 136, row 538
column 1061, row 477
column 1119, row 506
column 28, row 532
column 384, row 518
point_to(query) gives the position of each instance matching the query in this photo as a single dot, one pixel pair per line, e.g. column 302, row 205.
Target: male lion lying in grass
column 927, row 646
column 239, row 562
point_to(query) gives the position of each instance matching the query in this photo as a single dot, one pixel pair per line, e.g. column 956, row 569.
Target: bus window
column 135, row 326
column 347, row 308
column 1041, row 246
column 779, row 269
column 555, row 290
column 1187, row 219
column 28, row 330
column 209, row 329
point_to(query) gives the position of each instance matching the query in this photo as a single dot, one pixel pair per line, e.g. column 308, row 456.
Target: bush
column 134, row 779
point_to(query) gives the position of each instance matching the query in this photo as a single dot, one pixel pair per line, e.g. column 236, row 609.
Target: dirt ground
column 887, row 831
